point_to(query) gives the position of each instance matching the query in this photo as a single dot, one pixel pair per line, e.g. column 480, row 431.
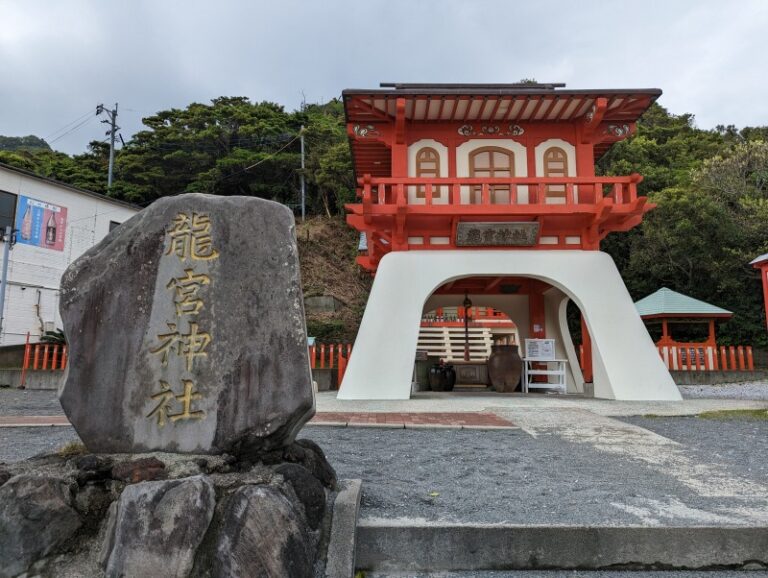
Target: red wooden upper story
column 489, row 166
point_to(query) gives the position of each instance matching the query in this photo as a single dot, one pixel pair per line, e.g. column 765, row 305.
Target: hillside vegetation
column 327, row 251
column 711, row 188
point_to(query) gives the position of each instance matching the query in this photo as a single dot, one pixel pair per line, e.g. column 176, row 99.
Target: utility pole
column 303, row 189
column 9, row 239
column 113, row 128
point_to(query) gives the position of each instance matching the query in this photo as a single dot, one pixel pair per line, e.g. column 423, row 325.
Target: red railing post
column 680, row 359
column 25, row 365
column 322, row 356
column 64, row 352
column 569, row 194
column 732, row 352
column 750, row 359
column 45, row 357
column 723, row 358
column 485, row 194
column 54, row 356
column 742, row 364
column 36, row 356
column 331, row 357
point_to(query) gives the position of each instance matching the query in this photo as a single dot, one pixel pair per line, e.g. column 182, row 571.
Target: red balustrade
column 43, row 357
column 698, row 357
column 330, row 356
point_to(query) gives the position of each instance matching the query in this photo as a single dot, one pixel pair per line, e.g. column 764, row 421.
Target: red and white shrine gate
column 490, row 191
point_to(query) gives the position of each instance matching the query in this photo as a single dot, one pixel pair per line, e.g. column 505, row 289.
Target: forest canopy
column 711, row 186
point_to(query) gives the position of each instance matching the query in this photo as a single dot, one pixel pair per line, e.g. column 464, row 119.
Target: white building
column 54, row 224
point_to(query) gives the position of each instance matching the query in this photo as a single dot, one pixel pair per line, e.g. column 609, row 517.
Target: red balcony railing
column 520, row 192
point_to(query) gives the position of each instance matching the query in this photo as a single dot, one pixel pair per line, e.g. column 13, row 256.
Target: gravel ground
column 748, row 390
column 507, row 476
column 462, row 475
column 741, row 444
column 29, row 402
column 19, row 443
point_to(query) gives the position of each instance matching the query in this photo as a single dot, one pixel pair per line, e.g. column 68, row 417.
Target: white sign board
column 540, row 349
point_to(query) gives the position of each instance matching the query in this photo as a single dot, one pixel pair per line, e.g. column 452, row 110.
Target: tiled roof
column 759, row 259
column 668, row 302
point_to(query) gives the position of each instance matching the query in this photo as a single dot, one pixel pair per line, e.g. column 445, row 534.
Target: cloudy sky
column 60, row 58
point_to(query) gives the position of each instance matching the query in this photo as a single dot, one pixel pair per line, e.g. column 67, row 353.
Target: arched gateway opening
column 625, row 362
column 490, row 191
column 503, row 312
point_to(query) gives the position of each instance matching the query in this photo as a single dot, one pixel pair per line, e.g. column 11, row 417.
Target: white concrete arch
column 626, row 363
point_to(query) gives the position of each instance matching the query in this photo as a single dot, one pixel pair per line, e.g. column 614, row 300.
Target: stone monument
column 187, row 330
column 188, row 381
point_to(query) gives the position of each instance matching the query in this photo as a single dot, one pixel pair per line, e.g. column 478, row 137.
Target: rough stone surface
column 140, row 470
column 306, row 453
column 308, row 490
column 186, row 329
column 157, row 527
column 36, row 517
column 262, row 535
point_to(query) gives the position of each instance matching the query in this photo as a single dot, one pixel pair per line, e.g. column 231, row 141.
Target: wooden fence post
column 732, row 351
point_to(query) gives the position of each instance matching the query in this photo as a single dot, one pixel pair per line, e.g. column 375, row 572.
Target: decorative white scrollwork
column 617, row 130
column 490, row 130
column 365, row 131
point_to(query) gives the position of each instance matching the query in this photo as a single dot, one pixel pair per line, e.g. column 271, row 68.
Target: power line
column 265, row 159
column 66, row 126
column 73, row 129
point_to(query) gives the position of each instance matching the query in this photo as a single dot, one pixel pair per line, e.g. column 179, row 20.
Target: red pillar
column 764, row 276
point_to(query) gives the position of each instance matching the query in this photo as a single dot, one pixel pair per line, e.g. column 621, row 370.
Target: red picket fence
column 330, row 356
column 698, row 357
column 43, row 357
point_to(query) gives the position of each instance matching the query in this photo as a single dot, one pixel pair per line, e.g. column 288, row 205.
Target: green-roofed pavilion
column 667, row 306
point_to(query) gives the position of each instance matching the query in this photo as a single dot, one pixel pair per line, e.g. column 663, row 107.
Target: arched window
column 555, row 165
column 428, row 166
column 491, row 162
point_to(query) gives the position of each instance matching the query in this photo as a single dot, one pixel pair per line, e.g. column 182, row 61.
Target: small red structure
column 761, row 263
column 667, row 307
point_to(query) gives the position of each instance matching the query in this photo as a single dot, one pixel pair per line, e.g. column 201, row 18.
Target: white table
column 558, row 371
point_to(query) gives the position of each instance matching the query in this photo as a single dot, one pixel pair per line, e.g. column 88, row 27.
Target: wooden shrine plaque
column 507, row 234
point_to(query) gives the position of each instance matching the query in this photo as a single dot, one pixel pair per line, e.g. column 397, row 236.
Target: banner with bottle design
column 40, row 224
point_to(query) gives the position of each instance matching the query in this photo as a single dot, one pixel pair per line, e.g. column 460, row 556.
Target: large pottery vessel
column 505, row 367
column 442, row 377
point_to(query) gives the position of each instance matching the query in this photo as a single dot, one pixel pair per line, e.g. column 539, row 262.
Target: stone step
column 416, row 546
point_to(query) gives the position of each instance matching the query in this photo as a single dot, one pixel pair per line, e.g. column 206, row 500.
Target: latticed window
column 428, row 166
column 555, row 165
column 491, row 162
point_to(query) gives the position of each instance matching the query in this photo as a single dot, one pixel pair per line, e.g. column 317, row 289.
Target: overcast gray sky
column 60, row 58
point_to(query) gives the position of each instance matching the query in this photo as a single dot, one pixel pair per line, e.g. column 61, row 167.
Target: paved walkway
column 429, row 402
column 400, row 420
column 472, row 410
column 463, row 420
